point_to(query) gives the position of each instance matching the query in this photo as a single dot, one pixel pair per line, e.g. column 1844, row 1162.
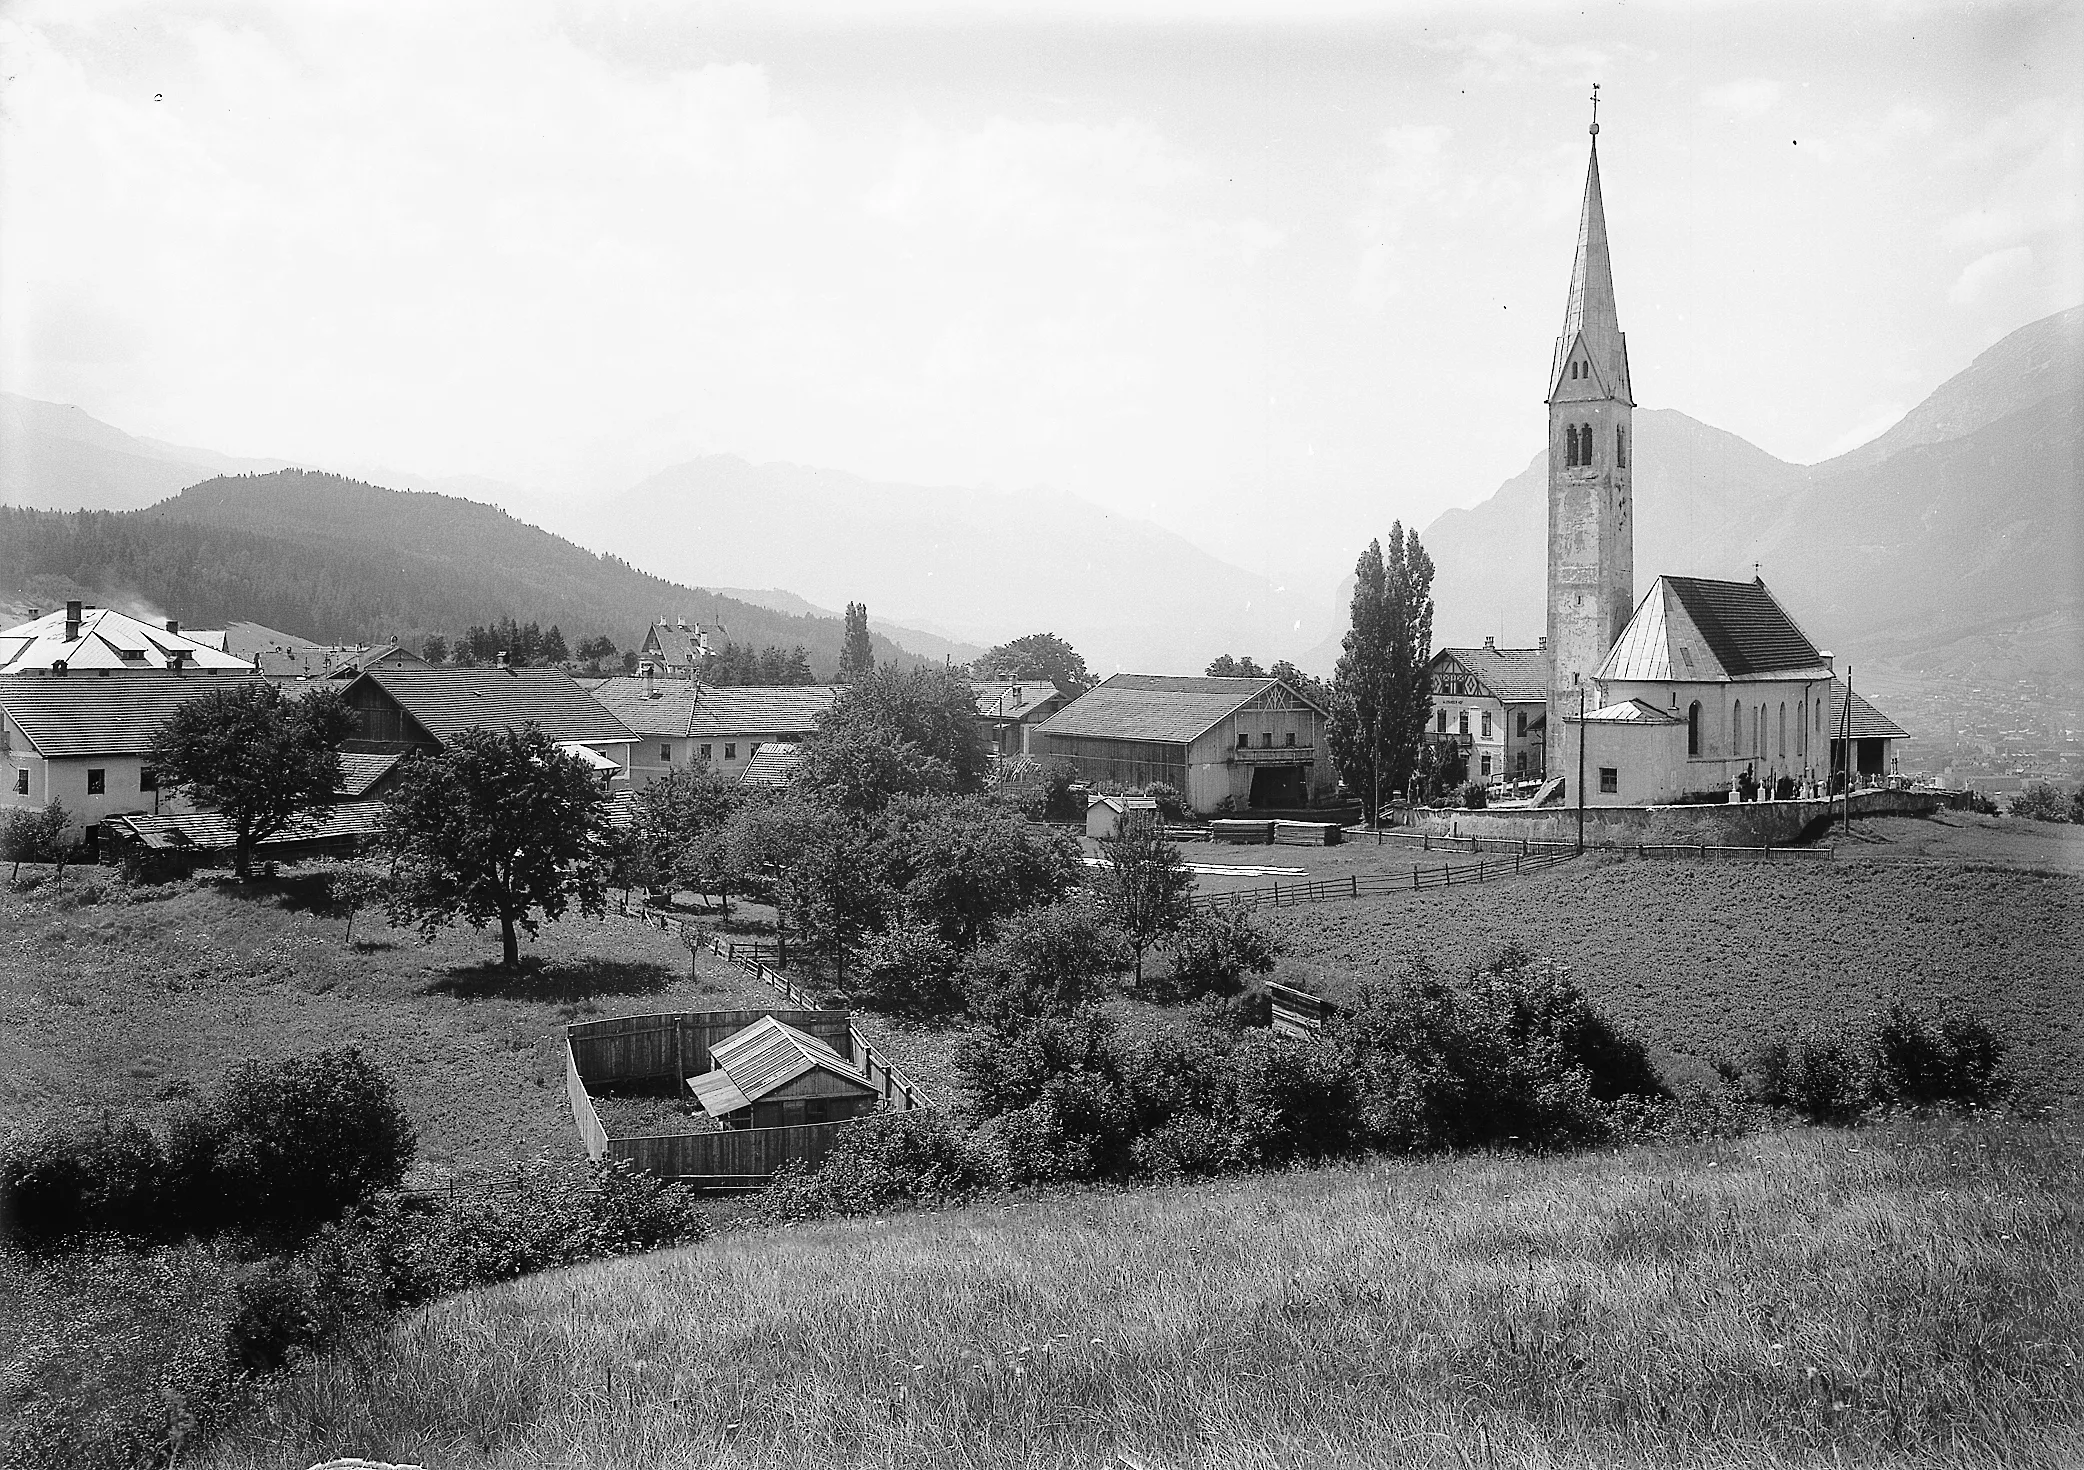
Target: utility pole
column 1845, row 723
column 1581, row 770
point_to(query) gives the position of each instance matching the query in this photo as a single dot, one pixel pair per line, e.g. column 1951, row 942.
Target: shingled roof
column 103, row 714
column 753, row 709
column 1166, row 708
column 1518, row 674
column 648, row 706
column 1868, row 723
column 1693, row 628
column 447, row 701
column 752, row 1063
column 211, row 831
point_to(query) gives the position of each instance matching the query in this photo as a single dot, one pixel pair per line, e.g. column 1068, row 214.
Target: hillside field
column 136, row 999
column 1707, row 959
column 1903, row 1296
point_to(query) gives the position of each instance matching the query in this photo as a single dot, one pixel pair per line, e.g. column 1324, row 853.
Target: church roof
column 1590, row 315
column 1627, row 712
column 1868, row 723
column 1695, row 628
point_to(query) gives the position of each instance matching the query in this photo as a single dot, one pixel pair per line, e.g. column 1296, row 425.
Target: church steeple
column 1591, row 553
column 1591, row 318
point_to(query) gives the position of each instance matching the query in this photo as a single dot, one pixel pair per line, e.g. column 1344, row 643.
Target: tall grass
column 1904, row 1295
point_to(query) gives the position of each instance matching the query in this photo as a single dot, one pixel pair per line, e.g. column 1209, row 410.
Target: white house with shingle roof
column 1252, row 742
column 78, row 639
column 681, row 723
column 1490, row 704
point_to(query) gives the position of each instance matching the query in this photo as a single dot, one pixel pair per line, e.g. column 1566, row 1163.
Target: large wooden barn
column 1256, row 742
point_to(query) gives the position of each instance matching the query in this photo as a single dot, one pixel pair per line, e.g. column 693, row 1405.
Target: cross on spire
column 1595, row 109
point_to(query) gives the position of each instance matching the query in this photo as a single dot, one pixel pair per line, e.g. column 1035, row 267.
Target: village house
column 1490, row 710
column 404, row 709
column 1222, row 743
column 1008, row 710
column 79, row 639
column 682, row 723
column 672, row 650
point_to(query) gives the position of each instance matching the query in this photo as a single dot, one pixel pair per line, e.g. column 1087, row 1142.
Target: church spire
column 1591, row 313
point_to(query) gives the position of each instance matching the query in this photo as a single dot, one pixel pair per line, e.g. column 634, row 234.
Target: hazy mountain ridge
column 54, row 456
column 1952, row 543
column 334, row 559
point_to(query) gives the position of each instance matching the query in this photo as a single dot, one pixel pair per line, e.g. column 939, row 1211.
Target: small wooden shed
column 1105, row 815
column 770, row 1075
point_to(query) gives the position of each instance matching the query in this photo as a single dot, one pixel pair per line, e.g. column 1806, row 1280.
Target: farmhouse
column 98, row 640
column 406, row 709
column 1490, row 711
column 1008, row 710
column 1245, row 742
column 682, row 723
column 773, row 1076
column 82, row 740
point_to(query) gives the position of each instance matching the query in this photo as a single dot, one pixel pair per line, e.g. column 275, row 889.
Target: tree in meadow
column 1144, row 885
column 857, row 656
column 1380, row 695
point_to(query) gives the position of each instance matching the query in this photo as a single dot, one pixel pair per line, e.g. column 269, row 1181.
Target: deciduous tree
column 255, row 758
column 498, row 826
column 857, row 656
column 1379, row 693
column 1144, row 885
column 1036, row 656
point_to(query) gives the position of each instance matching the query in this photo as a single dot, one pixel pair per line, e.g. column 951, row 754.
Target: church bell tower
column 1591, row 564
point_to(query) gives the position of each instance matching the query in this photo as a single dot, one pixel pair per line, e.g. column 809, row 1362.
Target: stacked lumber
column 1308, row 834
column 1237, row 829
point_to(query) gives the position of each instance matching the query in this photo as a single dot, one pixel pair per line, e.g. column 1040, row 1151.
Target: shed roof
column 104, row 714
column 360, row 772
column 211, row 832
column 764, row 1056
column 1158, row 707
column 1694, row 628
column 1519, row 674
column 447, row 701
column 772, row 764
column 1868, row 723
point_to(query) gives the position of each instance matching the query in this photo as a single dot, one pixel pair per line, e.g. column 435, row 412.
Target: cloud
column 1989, row 273
column 1495, row 58
column 1749, row 97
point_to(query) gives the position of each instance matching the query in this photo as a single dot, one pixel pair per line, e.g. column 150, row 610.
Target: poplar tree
column 1380, row 697
column 857, row 656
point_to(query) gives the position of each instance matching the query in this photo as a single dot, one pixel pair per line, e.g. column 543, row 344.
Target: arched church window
column 1693, row 728
column 1783, row 729
column 1570, row 445
column 1736, row 728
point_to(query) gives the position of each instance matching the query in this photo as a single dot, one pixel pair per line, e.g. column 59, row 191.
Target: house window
column 147, row 779
column 1291, row 739
column 1610, row 780
column 1266, row 740
column 731, row 751
column 97, row 781
column 705, row 752
column 1487, row 767
column 1521, row 724
column 1440, row 721
column 1462, row 723
column 1486, row 724
column 1243, row 740
column 665, row 750
column 21, row 783
column 1693, row 728
column 1519, row 764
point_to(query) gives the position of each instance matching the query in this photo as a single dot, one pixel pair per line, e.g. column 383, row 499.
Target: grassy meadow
column 1706, row 959
column 1905, row 1295
column 115, row 998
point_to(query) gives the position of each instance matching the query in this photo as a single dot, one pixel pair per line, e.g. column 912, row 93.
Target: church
column 1699, row 691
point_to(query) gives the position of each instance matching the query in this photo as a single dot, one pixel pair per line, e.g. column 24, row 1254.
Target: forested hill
column 334, row 559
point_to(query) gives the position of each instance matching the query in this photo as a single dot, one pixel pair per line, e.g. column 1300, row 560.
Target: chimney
column 72, row 621
column 502, row 658
column 1542, row 643
column 173, row 625
column 1490, row 644
column 35, row 613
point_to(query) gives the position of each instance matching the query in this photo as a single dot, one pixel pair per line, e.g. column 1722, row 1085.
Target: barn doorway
column 1279, row 787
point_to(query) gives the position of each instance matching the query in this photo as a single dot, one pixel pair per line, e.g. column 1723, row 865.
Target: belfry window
column 1570, row 445
column 1620, row 448
column 1584, row 439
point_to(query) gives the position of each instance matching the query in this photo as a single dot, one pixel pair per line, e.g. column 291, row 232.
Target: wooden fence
column 1528, row 847
column 1354, row 885
column 737, row 1158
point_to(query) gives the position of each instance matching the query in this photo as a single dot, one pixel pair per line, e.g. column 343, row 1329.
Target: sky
column 1270, row 275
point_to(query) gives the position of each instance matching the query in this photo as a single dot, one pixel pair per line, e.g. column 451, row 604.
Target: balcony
column 1272, row 755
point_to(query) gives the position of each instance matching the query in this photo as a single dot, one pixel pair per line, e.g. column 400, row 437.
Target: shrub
column 1931, row 1057
column 909, row 970
column 33, row 835
column 2041, row 802
column 109, row 1176
column 1172, row 807
column 1212, row 952
column 1813, row 1074
column 1475, row 795
column 287, row 1144
column 887, row 1161
column 1048, row 961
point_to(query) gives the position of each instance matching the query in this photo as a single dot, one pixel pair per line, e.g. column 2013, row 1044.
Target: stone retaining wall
column 1744, row 824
